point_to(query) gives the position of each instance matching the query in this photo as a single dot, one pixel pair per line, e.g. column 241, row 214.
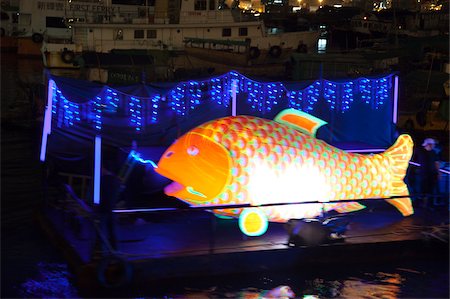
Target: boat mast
column 146, row 11
column 394, row 11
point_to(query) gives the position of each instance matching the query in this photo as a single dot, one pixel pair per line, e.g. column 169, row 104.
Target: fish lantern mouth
column 178, row 190
column 198, row 166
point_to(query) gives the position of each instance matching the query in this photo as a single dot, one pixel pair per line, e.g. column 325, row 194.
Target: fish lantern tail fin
column 399, row 155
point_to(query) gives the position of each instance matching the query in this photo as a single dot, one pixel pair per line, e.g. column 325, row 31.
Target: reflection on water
column 51, row 281
column 380, row 285
column 384, row 281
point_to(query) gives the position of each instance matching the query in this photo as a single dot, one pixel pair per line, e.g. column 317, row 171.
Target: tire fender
column 67, row 56
column 37, row 38
column 254, row 52
column 275, row 51
column 114, row 272
column 302, row 48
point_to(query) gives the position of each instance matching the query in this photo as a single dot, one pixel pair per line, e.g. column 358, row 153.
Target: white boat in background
column 50, row 21
column 402, row 23
column 170, row 28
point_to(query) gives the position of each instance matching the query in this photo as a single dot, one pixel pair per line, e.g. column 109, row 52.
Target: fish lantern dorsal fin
column 300, row 121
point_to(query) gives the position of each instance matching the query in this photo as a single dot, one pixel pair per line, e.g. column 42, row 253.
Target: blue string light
column 312, row 94
column 186, row 96
column 375, row 92
column 295, row 99
column 97, row 110
column 330, row 94
column 72, row 112
column 135, row 109
column 381, row 90
column 220, row 93
column 177, row 99
column 347, row 95
column 195, row 94
column 154, row 108
column 112, row 100
column 274, row 93
column 67, row 112
column 56, row 94
column 365, row 88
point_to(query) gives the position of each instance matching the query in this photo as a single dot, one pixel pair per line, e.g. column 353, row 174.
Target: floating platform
column 183, row 243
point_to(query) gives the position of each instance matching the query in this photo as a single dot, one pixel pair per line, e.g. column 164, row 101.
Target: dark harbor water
column 32, row 267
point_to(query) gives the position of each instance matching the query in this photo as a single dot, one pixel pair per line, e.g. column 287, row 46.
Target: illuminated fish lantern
column 256, row 161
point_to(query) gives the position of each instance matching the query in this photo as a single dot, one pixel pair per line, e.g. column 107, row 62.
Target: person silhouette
column 428, row 171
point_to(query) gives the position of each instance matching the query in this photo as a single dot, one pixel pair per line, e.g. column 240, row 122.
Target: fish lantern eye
column 193, row 150
column 169, row 154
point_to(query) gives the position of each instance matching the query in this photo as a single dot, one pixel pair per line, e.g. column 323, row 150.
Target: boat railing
column 215, row 16
column 85, row 208
column 79, row 184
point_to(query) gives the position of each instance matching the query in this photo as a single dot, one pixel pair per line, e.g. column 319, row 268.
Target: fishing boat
column 164, row 27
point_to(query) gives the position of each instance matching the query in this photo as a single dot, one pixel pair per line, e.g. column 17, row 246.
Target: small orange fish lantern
column 256, row 161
